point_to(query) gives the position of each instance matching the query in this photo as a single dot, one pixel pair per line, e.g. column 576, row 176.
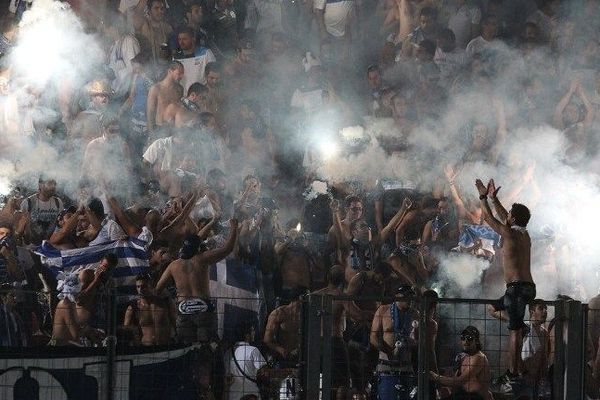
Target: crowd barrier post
column 574, row 351
column 310, row 355
column 423, row 352
column 111, row 344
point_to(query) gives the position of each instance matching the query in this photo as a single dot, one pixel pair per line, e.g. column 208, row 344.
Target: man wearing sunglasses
column 472, row 378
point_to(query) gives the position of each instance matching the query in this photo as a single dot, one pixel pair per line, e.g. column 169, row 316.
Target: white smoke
column 315, row 189
column 463, row 270
column 52, row 45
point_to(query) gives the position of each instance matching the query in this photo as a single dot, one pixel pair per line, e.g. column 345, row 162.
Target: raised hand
column 233, row 223
column 450, row 173
column 334, row 205
column 481, row 188
column 492, row 190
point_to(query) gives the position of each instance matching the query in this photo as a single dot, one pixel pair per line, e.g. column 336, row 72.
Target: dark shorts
column 197, row 327
column 514, row 301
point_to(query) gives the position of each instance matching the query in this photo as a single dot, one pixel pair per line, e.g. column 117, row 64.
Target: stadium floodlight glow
column 328, row 148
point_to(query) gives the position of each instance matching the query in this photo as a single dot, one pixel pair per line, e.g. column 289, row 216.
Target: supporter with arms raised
column 362, row 251
column 196, row 319
column 516, row 264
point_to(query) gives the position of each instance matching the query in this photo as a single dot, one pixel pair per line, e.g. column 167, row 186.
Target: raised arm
column 165, row 278
column 180, row 219
column 212, row 256
column 339, row 237
column 396, row 219
column 458, row 202
column 69, row 227
column 405, row 19
column 589, row 108
column 496, row 225
column 560, row 107
column 126, row 223
column 492, row 194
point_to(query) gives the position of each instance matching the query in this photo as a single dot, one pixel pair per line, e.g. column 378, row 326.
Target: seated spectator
column 472, row 378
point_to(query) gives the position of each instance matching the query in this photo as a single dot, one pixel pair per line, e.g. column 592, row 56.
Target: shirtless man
column 362, row 251
column 353, row 207
column 282, row 331
column 340, row 360
column 472, row 382
column 150, row 315
column 162, row 94
column 394, row 333
column 74, row 313
column 196, row 318
column 294, row 260
column 188, row 109
column 65, row 328
column 516, row 257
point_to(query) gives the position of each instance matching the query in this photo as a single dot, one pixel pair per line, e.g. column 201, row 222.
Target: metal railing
column 567, row 381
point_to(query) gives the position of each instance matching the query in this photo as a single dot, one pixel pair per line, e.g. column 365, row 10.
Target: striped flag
column 132, row 255
column 234, row 285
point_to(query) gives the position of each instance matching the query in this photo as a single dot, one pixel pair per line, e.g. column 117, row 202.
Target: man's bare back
column 191, row 273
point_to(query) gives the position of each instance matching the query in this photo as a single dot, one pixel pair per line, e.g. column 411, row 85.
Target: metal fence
column 117, row 368
column 568, row 335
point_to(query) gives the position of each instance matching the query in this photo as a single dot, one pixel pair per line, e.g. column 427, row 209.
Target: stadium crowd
column 213, row 130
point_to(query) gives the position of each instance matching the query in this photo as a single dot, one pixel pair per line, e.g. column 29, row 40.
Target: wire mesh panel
column 435, row 349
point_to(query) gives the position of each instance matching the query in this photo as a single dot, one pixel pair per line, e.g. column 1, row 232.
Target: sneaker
column 503, row 383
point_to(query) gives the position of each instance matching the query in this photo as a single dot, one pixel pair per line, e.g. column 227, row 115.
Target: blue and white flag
column 133, row 259
column 234, row 285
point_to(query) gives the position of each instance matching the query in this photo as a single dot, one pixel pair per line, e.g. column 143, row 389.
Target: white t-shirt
column 337, row 15
column 250, row 360
column 460, row 23
column 160, row 151
column 193, row 67
column 109, row 232
column 43, row 214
